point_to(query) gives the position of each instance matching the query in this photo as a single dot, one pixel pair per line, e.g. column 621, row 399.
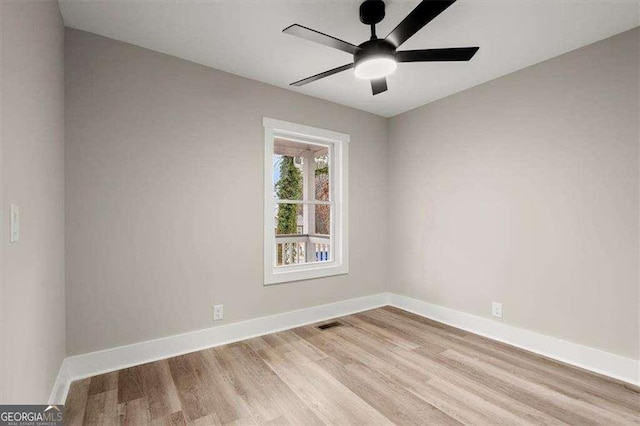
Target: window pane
column 289, row 219
column 290, row 242
column 287, row 177
column 300, row 171
column 323, row 219
column 299, row 240
column 322, row 176
column 320, row 240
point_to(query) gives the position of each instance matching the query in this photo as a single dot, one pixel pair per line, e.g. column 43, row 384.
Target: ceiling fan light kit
column 374, row 68
column 377, row 58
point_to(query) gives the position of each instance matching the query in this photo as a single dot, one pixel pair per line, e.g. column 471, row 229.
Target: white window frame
column 338, row 192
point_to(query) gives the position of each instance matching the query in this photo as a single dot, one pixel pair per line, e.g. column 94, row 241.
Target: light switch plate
column 14, row 232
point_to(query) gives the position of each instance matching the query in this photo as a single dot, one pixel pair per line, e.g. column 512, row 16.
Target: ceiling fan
column 376, row 58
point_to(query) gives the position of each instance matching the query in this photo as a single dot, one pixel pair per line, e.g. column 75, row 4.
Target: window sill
column 285, row 274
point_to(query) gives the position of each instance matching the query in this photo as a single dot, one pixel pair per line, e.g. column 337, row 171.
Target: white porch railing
column 302, row 248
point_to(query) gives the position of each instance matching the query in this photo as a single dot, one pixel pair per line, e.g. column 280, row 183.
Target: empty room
column 306, row 212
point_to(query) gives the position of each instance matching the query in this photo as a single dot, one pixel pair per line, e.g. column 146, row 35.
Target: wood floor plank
column 383, row 366
column 539, row 402
column 245, row 382
column 195, row 399
column 285, row 345
column 266, row 392
column 135, row 412
column 429, row 362
column 423, row 335
column 300, row 350
column 573, row 381
column 606, row 388
column 403, row 370
column 425, row 321
column 280, row 394
column 103, row 383
column 159, row 389
column 545, row 366
column 393, row 401
column 588, row 412
column 129, row 385
column 322, row 341
column 329, row 399
column 461, row 345
column 597, row 396
column 173, row 419
column 230, row 407
column 385, row 334
column 465, row 406
column 76, row 402
column 102, row 409
column 459, row 405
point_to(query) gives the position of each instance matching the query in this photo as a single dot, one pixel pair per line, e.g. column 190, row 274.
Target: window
column 305, row 202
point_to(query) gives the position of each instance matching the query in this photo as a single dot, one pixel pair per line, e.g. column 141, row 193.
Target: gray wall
column 164, row 195
column 524, row 190
column 32, row 327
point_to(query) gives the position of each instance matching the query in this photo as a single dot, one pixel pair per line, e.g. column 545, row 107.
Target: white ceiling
column 245, row 38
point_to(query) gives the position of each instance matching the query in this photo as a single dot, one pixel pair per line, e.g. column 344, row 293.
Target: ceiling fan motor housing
column 378, row 48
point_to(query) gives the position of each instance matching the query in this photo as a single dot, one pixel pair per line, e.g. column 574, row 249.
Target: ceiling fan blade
column 321, row 75
column 379, row 85
column 318, row 37
column 418, row 18
column 437, row 55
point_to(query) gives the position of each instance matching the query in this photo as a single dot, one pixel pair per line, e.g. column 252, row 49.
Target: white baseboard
column 87, row 365
column 598, row 361
column 90, row 364
column 61, row 385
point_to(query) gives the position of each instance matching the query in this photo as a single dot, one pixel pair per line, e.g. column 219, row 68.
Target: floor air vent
column 329, row 325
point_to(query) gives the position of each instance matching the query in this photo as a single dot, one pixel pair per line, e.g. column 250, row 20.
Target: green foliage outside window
column 289, row 187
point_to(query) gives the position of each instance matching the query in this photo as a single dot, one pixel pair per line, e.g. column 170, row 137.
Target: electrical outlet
column 496, row 309
column 218, row 312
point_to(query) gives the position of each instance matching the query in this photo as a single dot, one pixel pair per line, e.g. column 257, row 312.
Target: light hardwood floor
column 382, row 366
